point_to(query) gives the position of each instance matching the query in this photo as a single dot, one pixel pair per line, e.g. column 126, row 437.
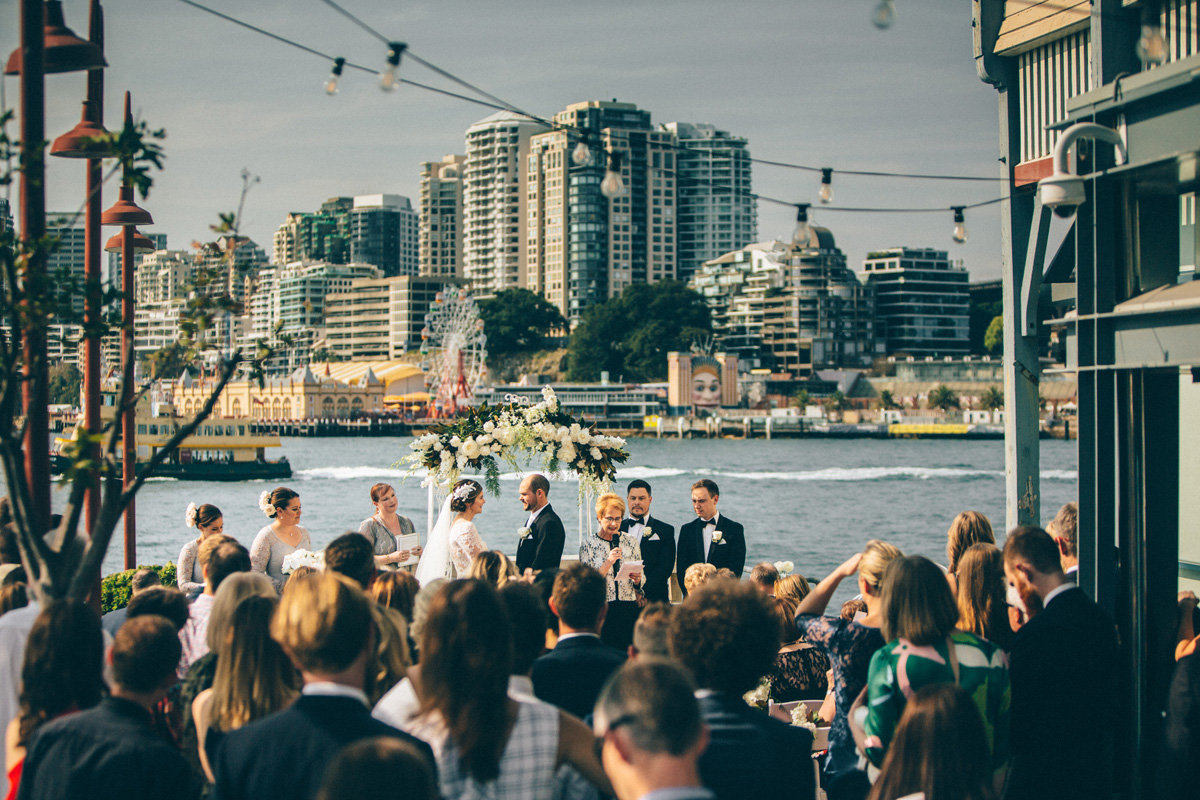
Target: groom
column 710, row 538
column 542, row 538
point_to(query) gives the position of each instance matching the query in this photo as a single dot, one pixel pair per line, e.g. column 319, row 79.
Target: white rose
column 586, row 438
column 567, row 453
column 470, row 449
column 437, row 446
column 563, row 434
column 455, row 441
column 489, row 426
column 506, row 436
column 596, row 454
column 717, row 537
column 484, row 438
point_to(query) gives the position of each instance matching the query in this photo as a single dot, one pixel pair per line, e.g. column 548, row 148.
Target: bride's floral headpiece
column 463, row 491
column 264, row 503
column 189, row 516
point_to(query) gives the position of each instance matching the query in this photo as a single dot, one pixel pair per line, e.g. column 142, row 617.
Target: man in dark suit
column 325, row 626
column 542, row 538
column 657, row 542
column 570, row 676
column 710, row 538
column 1066, row 535
column 1063, row 671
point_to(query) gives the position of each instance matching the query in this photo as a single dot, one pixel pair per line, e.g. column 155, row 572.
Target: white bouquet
column 803, row 718
column 303, row 558
column 759, row 696
column 784, row 567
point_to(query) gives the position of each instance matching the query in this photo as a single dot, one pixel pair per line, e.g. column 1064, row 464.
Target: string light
column 582, row 154
column 612, row 186
column 387, row 79
column 960, row 224
column 884, row 14
column 826, row 186
column 331, row 85
column 802, row 235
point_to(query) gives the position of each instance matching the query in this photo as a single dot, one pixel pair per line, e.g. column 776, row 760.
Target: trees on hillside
column 943, row 397
column 519, row 321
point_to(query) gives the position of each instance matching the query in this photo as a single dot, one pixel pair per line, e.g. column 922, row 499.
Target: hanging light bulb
column 802, row 235
column 388, row 80
column 826, row 186
column 612, row 186
column 582, row 154
column 960, row 224
column 331, row 85
column 884, row 14
column 1152, row 47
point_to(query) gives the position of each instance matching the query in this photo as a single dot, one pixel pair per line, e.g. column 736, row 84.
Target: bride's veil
column 435, row 556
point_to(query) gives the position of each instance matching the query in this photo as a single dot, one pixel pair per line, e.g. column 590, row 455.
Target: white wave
column 1061, row 474
column 857, row 474
column 347, row 473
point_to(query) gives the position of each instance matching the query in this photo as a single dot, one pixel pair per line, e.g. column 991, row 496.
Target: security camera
column 1063, row 191
column 1063, row 194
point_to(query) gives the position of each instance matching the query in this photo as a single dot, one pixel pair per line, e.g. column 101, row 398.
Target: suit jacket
column 1063, row 670
column 571, row 675
column 658, row 558
column 751, row 754
column 729, row 553
column 543, row 548
column 284, row 755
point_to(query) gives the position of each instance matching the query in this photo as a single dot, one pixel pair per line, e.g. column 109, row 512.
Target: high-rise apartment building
column 112, row 274
column 6, row 219
column 379, row 318
column 716, row 211
column 65, row 263
column 312, row 237
column 494, row 203
column 383, row 232
column 922, row 301
column 441, row 228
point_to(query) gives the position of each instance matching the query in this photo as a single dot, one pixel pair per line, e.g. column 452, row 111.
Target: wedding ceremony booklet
column 628, row 568
column 408, row 542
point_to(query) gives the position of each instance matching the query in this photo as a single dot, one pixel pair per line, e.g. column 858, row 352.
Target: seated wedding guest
column 379, row 769
column 350, row 555
column 982, row 607
column 799, row 669
column 1186, row 638
column 725, row 574
column 207, row 521
column 919, row 615
column 491, row 566
column 13, row 596
column 396, row 590
column 254, row 677
column 852, row 608
column 1061, row 661
column 849, row 645
column 650, row 733
column 792, row 586
column 712, row 537
column 392, row 656
column 696, row 576
column 543, row 581
column 651, row 635
column 527, row 613
column 726, row 635
column 217, row 564
column 420, row 610
column 487, row 743
column 763, row 576
column 298, row 574
column 940, row 749
column 111, row 751
column 968, row 528
column 382, row 528
column 570, row 675
column 324, row 625
column 142, row 580
column 63, row 672
column 1066, row 536
column 1176, row 775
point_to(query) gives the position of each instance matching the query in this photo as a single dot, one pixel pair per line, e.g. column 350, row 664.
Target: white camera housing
column 1063, row 192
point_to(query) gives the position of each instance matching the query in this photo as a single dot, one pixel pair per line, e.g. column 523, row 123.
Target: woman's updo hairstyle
column 280, row 499
column 464, row 495
column 207, row 514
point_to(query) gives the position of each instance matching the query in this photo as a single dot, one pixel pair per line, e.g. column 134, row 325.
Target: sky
column 804, row 81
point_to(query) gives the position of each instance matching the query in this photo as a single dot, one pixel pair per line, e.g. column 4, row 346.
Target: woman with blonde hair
column 605, row 550
column 491, row 566
column 697, row 575
column 792, row 586
column 968, row 528
column 982, row 594
column 392, row 657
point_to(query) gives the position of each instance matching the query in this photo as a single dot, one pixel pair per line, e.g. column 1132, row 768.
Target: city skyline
column 813, row 83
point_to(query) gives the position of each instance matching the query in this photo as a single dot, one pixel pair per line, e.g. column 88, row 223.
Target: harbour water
column 810, row 501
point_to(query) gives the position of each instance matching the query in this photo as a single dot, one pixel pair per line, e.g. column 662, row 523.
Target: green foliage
column 887, row 400
column 982, row 315
column 801, row 398
column 115, row 590
column 65, row 380
column 992, row 399
column 323, row 355
column 837, row 401
column 993, row 340
column 518, row 321
column 943, row 397
column 630, row 335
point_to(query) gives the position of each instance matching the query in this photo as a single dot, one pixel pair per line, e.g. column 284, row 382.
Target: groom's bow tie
column 640, row 520
column 708, row 521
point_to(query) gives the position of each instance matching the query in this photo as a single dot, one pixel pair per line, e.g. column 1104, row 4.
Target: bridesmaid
column 282, row 537
column 382, row 528
column 207, row 520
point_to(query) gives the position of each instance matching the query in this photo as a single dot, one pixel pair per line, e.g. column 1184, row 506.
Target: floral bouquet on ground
column 302, row 558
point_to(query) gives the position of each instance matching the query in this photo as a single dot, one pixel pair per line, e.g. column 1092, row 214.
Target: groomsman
column 657, row 541
column 710, row 538
column 542, row 538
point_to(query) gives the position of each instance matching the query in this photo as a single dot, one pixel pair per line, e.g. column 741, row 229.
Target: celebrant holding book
column 618, row 557
column 382, row 528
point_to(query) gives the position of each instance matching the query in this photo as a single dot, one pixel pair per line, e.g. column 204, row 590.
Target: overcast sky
column 805, row 81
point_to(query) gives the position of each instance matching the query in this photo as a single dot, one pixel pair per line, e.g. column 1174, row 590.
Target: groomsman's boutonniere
column 525, row 532
column 647, row 532
column 717, row 537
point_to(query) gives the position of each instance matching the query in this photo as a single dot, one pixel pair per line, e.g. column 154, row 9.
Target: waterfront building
column 6, row 218
column 311, row 237
column 716, row 210
column 383, row 232
column 441, row 221
column 112, row 271
column 922, row 301
column 609, row 405
column 378, row 318
column 160, row 288
column 65, row 262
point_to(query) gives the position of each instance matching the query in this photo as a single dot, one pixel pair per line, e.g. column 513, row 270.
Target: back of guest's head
column 652, row 631
column 543, row 581
column 765, row 575
column 852, row 607
column 300, row 573
column 13, row 596
column 383, row 768
column 209, row 545
column 785, row 613
column 579, row 596
column 1066, row 528
column 392, row 658
column 421, row 603
column 143, row 579
column 225, row 560
column 875, row 559
column 1031, row 546
column 63, row 668
column 982, row 608
column 352, row 555
column 13, row 573
column 490, row 566
column 917, row 602
column 145, row 653
column 162, row 601
column 697, row 575
column 940, row 748
column 232, row 591
column 968, row 528
column 254, row 676
column 726, row 634
column 527, row 614
column 323, row 622
column 10, row 551
column 794, row 586
column 466, row 658
column 396, row 590
column 725, row 574
column 659, row 705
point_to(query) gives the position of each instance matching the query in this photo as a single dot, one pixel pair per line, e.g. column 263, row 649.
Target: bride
column 455, row 540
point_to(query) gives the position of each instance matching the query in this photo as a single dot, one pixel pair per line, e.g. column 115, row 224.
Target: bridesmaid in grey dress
column 281, row 538
column 384, row 526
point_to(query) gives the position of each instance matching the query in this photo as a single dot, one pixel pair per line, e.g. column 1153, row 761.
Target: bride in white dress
column 455, row 540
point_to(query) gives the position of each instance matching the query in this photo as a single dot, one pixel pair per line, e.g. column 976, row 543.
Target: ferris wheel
column 453, row 352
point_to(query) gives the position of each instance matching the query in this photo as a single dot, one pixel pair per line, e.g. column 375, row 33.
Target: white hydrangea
column 506, row 435
column 455, row 441
column 596, row 454
column 470, row 449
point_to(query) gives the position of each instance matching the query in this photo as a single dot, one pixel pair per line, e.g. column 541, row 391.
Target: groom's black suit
column 658, row 558
column 729, row 553
column 543, row 547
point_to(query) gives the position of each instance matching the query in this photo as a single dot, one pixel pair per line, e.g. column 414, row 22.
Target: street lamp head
column 88, row 139
column 141, row 243
column 126, row 212
column 65, row 52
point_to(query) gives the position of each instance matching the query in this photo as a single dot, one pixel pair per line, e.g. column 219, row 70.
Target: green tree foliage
column 115, row 590
column 630, row 335
column 519, row 321
column 837, row 401
column 943, row 397
column 992, row 399
column 993, row 340
column 982, row 315
column 65, row 380
column 887, row 400
column 801, row 398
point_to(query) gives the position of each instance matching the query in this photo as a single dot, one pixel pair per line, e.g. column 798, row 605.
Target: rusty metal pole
column 129, row 422
column 93, row 310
